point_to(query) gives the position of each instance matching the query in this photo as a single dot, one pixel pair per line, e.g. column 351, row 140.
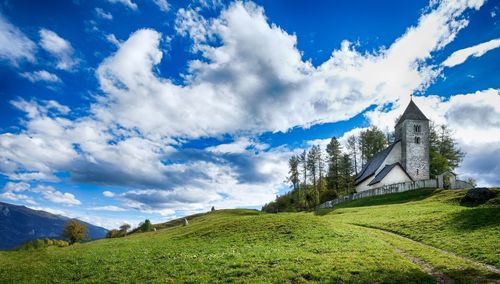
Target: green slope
column 349, row 244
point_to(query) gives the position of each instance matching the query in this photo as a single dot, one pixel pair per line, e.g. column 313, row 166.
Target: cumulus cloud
column 127, row 3
column 16, row 186
column 47, row 192
column 103, row 14
column 473, row 117
column 51, row 194
column 9, row 195
column 162, row 4
column 251, row 79
column 41, row 75
column 15, row 46
column 58, row 47
column 255, row 68
column 460, row 56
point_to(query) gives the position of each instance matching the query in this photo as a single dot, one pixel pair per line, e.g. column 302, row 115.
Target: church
column 405, row 160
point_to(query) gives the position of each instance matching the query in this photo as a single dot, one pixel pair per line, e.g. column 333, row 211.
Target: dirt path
column 485, row 266
column 440, row 277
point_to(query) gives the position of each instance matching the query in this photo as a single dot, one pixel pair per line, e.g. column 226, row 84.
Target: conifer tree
column 334, row 154
column 372, row 141
column 444, row 154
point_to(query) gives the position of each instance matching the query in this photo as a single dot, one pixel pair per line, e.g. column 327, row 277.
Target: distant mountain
column 19, row 224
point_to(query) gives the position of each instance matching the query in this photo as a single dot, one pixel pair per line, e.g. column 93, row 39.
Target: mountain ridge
column 19, row 224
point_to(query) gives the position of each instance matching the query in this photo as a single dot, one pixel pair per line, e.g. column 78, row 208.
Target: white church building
column 405, row 160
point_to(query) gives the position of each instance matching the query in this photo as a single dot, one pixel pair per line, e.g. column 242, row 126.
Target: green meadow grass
column 247, row 246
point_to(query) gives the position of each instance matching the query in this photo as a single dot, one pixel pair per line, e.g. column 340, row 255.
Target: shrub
column 42, row 243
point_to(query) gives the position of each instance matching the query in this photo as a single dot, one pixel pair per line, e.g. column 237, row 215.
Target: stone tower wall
column 415, row 156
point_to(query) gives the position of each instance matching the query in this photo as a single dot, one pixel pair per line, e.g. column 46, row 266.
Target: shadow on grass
column 388, row 199
column 475, row 218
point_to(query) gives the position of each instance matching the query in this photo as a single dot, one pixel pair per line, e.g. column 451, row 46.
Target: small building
column 406, row 159
column 446, row 180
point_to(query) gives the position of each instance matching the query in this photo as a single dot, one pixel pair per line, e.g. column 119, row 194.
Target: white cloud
column 128, row 3
column 58, row 47
column 255, row 68
column 103, row 14
column 460, row 56
column 17, row 197
column 16, row 186
column 240, row 145
column 252, row 79
column 111, row 208
column 211, row 4
column 41, row 75
column 108, row 193
column 190, row 22
column 112, row 39
column 162, row 4
column 105, row 222
column 15, row 46
column 51, row 194
column 475, row 120
column 50, row 210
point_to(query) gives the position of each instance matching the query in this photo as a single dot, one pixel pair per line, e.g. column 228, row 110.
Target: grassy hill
column 414, row 237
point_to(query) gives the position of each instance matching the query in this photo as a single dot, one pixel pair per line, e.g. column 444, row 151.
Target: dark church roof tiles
column 412, row 112
column 386, row 170
column 371, row 167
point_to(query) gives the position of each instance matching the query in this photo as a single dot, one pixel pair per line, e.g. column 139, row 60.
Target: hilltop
column 421, row 236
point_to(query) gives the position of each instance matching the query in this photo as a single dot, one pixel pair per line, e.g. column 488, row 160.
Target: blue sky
column 120, row 110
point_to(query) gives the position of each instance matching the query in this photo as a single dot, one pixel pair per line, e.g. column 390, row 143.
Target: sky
column 115, row 111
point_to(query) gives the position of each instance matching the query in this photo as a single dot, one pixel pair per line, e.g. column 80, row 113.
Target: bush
column 42, row 243
column 113, row 233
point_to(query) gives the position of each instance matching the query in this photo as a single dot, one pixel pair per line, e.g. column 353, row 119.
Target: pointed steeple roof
column 412, row 112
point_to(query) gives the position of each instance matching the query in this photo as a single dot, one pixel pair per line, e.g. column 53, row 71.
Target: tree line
column 316, row 176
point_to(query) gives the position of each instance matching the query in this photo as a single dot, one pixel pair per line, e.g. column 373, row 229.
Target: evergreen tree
column 334, row 154
column 293, row 177
column 303, row 162
column 346, row 175
column 444, row 154
column 312, row 165
column 372, row 141
column 352, row 148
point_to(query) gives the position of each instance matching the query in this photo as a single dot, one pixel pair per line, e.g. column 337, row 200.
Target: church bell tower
column 412, row 130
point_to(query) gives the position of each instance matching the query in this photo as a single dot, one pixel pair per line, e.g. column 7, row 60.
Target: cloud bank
column 250, row 78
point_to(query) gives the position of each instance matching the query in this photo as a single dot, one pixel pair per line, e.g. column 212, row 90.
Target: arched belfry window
column 417, row 140
column 416, row 127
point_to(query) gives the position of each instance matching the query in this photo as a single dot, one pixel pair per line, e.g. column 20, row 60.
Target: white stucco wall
column 396, row 175
column 364, row 185
column 393, row 157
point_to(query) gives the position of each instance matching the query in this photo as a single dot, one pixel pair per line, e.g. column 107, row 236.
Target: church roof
column 387, row 169
column 412, row 112
column 371, row 167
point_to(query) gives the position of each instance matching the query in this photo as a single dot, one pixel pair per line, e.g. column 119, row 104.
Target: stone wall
column 415, row 156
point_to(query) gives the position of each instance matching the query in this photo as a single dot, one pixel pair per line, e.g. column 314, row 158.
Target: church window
column 417, row 140
column 417, row 172
column 416, row 127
